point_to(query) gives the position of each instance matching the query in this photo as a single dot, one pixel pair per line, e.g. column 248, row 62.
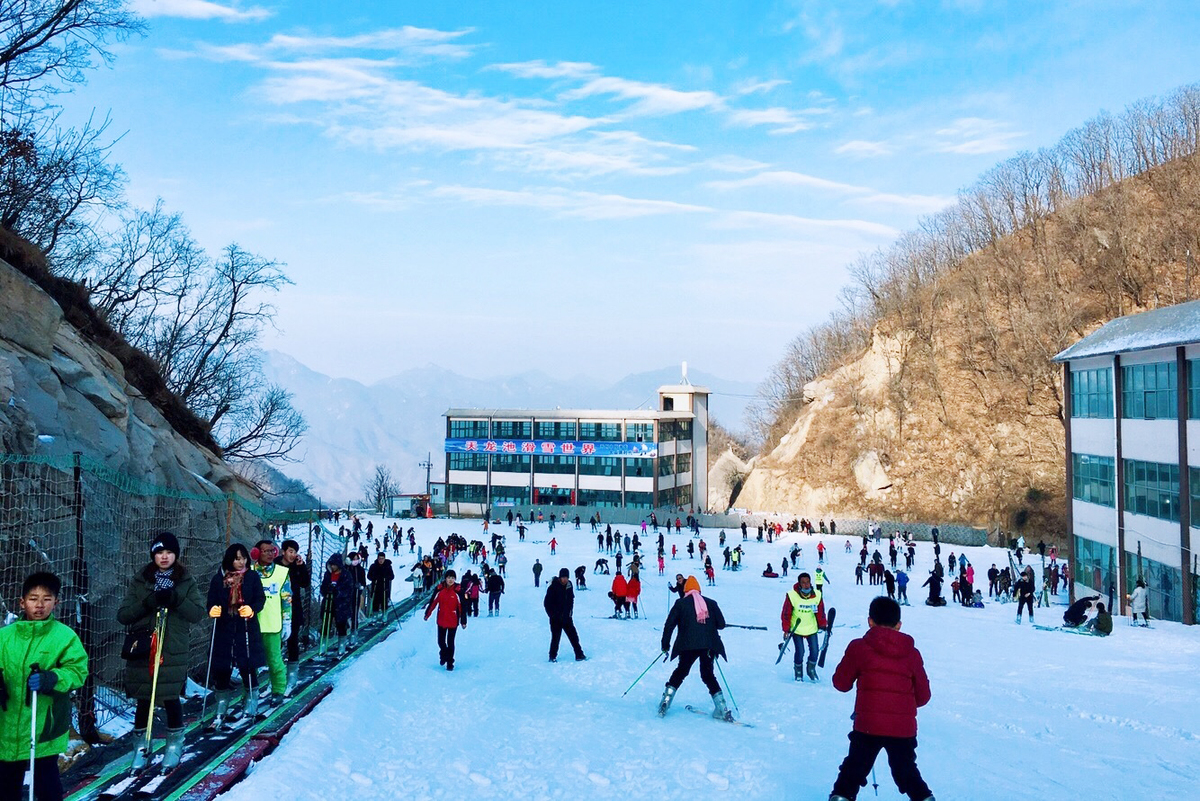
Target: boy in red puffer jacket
column 891, row 686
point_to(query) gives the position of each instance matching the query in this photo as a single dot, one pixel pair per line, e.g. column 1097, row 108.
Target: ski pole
column 32, row 733
column 208, row 673
column 160, row 630
column 717, row 662
column 664, row 657
column 783, row 645
column 752, row 628
column 874, row 783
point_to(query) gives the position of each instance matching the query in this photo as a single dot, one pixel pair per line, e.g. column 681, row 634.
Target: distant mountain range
column 398, row 421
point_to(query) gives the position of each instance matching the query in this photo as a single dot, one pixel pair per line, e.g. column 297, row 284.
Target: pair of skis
column 824, row 645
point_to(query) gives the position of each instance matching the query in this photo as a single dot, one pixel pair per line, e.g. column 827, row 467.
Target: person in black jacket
column 934, row 583
column 495, row 588
column 559, row 604
column 699, row 621
column 301, row 578
column 381, row 576
column 1024, row 590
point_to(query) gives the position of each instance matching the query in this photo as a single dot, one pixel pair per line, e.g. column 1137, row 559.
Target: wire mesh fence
column 92, row 526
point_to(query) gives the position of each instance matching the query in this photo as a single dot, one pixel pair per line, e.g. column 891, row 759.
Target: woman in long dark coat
column 163, row 586
column 235, row 597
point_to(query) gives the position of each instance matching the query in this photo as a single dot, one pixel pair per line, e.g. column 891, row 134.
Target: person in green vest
column 275, row 619
column 803, row 616
column 39, row 655
column 819, row 579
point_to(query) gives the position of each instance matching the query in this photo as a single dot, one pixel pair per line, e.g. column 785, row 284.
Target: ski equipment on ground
column 828, row 631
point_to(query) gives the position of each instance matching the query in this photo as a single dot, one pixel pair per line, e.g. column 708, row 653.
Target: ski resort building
column 1132, row 398
column 589, row 458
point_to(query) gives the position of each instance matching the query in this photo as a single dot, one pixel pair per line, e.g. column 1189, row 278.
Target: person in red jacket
column 633, row 588
column 617, row 593
column 891, row 686
column 450, row 613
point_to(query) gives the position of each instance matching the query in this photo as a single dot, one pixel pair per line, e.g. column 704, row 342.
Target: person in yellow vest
column 803, row 616
column 820, row 579
column 275, row 619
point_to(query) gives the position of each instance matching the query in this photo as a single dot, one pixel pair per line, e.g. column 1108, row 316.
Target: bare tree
column 379, row 487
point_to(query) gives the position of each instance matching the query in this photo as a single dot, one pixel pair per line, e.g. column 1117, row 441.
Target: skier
column 301, row 580
column 235, row 597
column 890, row 581
column 802, row 617
column 338, row 595
column 275, row 619
column 617, row 594
column 1138, row 603
column 162, row 585
column 559, row 604
column 902, row 587
column 892, row 685
column 821, row 552
column 820, row 579
column 1077, row 613
column 1024, row 591
column 934, row 583
column 993, row 578
column 450, row 614
column 495, row 588
column 691, row 549
column 38, row 654
column 1102, row 623
column 553, row 545
column 699, row 621
column 633, row 588
column 537, row 572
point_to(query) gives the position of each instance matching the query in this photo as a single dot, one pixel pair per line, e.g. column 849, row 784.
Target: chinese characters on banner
column 552, row 447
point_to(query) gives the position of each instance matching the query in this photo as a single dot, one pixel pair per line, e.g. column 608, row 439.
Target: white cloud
column 863, row 148
column 787, row 178
column 734, row 164
column 974, row 136
column 754, row 86
column 762, row 219
column 781, row 120
column 565, row 203
column 921, row 204
column 540, row 69
column 197, row 9
column 408, row 40
column 651, row 98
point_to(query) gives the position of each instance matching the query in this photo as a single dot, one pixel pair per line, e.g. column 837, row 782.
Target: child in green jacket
column 37, row 655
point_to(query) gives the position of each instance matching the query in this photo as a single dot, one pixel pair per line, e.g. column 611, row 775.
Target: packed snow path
column 1016, row 712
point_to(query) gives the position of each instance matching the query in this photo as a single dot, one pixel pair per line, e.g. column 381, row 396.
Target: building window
column 666, row 431
column 683, row 463
column 466, row 493
column 556, row 429
column 1152, row 489
column 600, row 432
column 468, row 461
column 600, row 498
column 562, row 465
column 1095, row 565
column 510, row 496
column 1092, row 393
column 635, row 468
column 683, row 496
column 468, row 429
column 508, row 463
column 639, row 432
column 666, row 466
column 1150, row 391
column 513, row 429
column 1093, row 479
column 683, row 429
column 639, row 500
column 1194, row 492
column 1193, row 389
column 1164, row 586
column 599, row 466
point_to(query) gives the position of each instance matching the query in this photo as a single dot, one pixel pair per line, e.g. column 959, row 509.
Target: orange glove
column 214, row 611
column 245, row 611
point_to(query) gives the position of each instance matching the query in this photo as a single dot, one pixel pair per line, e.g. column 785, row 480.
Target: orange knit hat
column 691, row 584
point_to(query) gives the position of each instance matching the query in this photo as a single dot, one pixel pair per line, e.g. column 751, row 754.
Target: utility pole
column 428, row 465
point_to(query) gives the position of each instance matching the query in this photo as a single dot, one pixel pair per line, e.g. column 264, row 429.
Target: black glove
column 42, row 681
column 164, row 599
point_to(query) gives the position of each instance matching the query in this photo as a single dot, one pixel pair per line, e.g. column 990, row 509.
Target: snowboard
column 828, row 632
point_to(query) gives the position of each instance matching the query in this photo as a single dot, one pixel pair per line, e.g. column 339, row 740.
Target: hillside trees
column 199, row 316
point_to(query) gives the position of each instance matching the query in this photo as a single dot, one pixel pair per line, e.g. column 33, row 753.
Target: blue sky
column 599, row 187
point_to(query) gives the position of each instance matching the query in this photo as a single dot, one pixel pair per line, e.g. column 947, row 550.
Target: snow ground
column 1015, row 711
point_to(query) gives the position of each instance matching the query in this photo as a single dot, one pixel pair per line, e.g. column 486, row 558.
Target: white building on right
column 1132, row 402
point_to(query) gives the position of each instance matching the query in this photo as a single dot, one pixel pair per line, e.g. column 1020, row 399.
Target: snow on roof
column 1158, row 328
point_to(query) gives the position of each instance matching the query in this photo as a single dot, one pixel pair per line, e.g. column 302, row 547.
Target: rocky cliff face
column 59, row 393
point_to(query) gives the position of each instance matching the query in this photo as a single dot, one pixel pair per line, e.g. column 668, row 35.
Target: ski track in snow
column 1014, row 711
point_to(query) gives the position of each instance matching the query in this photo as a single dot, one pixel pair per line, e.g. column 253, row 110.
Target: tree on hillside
column 379, row 487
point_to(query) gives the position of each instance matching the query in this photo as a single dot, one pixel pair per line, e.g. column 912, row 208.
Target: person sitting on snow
column 1101, row 624
column 1077, row 613
column 770, row 572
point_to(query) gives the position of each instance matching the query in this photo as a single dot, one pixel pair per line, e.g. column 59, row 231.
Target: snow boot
column 812, row 671
column 293, row 678
column 799, row 672
column 174, row 749
column 665, row 703
column 1018, row 620
column 222, row 712
column 140, row 756
column 252, row 703
column 720, row 710
column 276, row 700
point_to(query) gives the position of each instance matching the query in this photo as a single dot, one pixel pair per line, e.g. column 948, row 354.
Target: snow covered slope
column 1016, row 712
